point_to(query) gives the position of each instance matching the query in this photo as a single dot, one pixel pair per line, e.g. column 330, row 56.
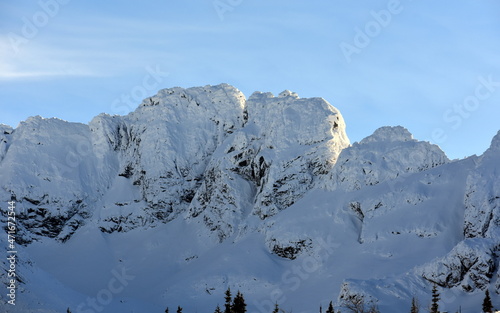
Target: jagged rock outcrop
column 49, row 170
column 205, row 153
column 482, row 197
column 5, row 132
column 470, row 265
column 164, row 147
column 286, row 145
column 381, row 157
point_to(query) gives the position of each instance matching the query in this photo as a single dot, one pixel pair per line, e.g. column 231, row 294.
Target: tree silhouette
column 276, row 308
column 373, row 308
column 415, row 306
column 356, row 304
column 487, row 305
column 435, row 300
column 239, row 305
column 227, row 305
column 330, row 308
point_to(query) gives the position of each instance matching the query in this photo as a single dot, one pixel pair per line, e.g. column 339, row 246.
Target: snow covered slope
column 201, row 189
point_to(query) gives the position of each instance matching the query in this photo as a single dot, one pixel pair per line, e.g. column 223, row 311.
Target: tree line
column 351, row 304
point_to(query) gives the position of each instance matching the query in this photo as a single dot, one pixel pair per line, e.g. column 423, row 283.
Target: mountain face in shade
column 201, row 189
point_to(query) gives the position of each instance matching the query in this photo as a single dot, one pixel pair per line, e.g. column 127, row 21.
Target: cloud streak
column 40, row 62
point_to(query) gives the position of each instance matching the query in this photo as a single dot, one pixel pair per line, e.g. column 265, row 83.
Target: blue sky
column 432, row 67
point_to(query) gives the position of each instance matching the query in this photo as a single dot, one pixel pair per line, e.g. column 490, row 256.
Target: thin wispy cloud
column 103, row 47
column 40, row 62
column 28, row 75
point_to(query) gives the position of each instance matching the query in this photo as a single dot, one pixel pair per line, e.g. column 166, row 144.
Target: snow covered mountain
column 201, row 189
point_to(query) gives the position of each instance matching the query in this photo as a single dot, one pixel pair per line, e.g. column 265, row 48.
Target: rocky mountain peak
column 495, row 143
column 389, row 134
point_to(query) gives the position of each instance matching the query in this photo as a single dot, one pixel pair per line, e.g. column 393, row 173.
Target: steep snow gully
column 201, row 189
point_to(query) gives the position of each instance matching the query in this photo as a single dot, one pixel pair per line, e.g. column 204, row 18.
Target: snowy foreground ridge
column 201, row 189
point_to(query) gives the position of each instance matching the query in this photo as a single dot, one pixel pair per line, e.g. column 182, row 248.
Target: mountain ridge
column 269, row 182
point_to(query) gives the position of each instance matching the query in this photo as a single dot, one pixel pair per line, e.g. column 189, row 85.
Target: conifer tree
column 179, row 309
column 354, row 303
column 330, row 308
column 68, row 311
column 435, row 300
column 415, row 306
column 217, row 309
column 227, row 305
column 373, row 308
column 276, row 308
column 239, row 305
column 166, row 310
column 487, row 305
